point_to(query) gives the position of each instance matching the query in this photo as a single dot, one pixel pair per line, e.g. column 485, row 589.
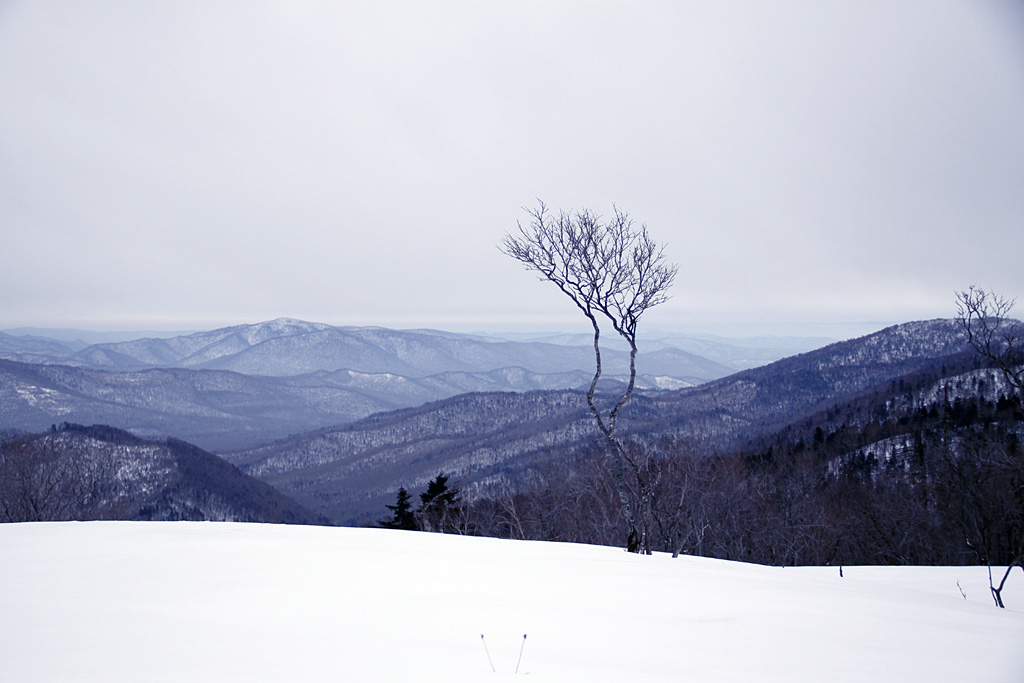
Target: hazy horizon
column 97, row 332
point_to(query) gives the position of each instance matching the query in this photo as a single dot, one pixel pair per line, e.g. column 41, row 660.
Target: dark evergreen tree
column 439, row 506
column 402, row 514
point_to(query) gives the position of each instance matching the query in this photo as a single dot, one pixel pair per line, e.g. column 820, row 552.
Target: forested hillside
column 83, row 473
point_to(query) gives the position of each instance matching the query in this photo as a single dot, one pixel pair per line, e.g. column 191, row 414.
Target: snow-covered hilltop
column 178, row 601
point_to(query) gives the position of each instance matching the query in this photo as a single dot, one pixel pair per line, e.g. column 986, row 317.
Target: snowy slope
column 134, row 601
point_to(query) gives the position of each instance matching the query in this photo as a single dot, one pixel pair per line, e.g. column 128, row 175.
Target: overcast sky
column 187, row 165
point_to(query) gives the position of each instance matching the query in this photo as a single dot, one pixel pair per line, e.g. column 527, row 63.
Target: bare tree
column 614, row 271
column 999, row 339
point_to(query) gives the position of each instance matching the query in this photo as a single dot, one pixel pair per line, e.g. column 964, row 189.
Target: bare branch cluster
column 985, row 317
column 610, row 268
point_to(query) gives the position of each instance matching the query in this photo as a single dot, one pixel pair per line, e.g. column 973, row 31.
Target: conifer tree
column 402, row 514
column 439, row 506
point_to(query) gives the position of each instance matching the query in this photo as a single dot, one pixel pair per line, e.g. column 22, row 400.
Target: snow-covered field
column 168, row 601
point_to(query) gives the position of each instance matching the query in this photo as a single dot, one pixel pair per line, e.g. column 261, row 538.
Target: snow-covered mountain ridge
column 286, row 347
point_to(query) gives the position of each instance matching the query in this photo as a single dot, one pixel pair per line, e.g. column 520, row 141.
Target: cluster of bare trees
column 708, row 506
column 949, row 497
column 48, row 478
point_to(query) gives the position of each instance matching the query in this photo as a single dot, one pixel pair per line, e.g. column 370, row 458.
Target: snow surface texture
column 182, row 601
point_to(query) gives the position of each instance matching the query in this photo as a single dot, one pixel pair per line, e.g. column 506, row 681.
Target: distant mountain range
column 484, row 440
column 246, row 385
column 287, row 347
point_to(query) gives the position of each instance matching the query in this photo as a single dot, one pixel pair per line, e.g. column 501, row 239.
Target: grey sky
column 193, row 164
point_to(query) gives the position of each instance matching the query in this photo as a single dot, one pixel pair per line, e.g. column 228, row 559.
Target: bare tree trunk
column 997, row 592
column 608, row 430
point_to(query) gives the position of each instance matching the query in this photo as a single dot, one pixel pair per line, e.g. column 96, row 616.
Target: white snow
column 42, row 397
column 671, row 383
column 169, row 601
